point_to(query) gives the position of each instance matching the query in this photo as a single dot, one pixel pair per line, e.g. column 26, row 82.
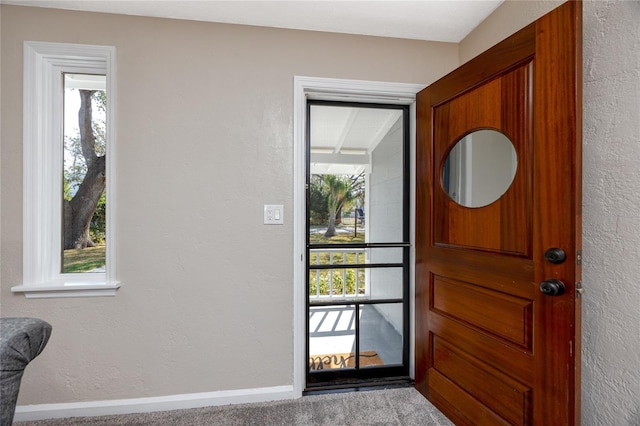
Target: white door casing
column 338, row 90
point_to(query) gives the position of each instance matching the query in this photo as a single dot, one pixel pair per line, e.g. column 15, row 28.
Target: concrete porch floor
column 332, row 331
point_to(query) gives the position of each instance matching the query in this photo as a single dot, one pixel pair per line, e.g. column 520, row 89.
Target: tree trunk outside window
column 79, row 211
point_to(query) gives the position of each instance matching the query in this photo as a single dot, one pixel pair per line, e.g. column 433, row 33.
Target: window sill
column 67, row 289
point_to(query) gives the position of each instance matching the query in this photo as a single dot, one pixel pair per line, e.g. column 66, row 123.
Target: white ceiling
column 448, row 21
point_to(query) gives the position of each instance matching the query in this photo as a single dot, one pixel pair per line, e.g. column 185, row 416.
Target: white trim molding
column 151, row 404
column 44, row 65
column 348, row 91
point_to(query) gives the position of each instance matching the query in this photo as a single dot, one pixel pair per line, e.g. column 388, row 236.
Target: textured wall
column 205, row 138
column 611, row 308
column 611, row 198
column 508, row 18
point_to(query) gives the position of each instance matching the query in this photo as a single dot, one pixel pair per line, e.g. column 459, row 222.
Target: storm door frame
column 370, row 376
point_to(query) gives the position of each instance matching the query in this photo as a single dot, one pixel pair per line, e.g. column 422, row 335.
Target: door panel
column 491, row 348
column 508, row 397
column 504, row 316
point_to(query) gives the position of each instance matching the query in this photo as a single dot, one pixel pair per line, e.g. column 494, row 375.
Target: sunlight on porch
column 332, row 331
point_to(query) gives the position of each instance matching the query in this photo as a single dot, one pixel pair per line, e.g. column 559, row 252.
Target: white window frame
column 44, row 65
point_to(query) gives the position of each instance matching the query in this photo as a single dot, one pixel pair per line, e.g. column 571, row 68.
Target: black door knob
column 555, row 255
column 552, row 287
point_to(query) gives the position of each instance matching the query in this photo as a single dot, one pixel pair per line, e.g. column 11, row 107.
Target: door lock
column 552, row 287
column 555, row 255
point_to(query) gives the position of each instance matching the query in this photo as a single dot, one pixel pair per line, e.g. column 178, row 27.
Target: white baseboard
column 146, row 405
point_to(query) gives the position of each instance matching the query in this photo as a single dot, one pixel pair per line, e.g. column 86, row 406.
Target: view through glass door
column 357, row 244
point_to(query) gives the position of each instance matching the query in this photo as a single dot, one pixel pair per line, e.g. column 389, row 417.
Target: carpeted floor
column 404, row 406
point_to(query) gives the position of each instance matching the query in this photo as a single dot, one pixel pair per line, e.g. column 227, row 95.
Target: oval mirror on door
column 480, row 168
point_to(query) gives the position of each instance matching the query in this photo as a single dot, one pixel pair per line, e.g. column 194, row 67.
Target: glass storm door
column 357, row 244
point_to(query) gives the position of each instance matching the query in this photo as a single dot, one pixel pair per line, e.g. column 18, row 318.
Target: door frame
column 353, row 91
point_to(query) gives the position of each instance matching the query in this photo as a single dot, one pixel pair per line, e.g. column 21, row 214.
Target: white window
column 56, row 154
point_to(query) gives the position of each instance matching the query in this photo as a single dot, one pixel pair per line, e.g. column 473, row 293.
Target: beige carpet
column 401, row 407
column 326, row 362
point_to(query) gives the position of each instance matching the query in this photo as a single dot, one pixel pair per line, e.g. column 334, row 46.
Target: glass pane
column 332, row 334
column 386, row 189
column 480, row 168
column 325, row 284
column 355, row 283
column 84, row 177
column 381, row 335
column 336, row 213
column 384, row 283
column 356, row 175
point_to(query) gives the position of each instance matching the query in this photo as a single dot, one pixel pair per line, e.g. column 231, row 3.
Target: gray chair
column 21, row 340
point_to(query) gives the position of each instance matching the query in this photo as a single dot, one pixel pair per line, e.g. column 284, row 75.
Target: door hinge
column 579, row 258
column 579, row 289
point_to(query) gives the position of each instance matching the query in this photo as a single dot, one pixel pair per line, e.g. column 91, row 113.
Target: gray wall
column 205, row 138
column 195, row 169
column 611, row 199
column 611, row 327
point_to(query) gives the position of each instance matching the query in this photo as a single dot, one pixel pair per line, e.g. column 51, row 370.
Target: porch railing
column 334, row 274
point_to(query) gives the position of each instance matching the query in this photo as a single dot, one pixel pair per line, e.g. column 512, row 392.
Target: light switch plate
column 273, row 214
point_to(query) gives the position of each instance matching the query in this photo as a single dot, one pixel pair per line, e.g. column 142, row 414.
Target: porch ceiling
column 342, row 138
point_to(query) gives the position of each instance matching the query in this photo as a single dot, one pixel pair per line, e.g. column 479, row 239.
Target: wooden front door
column 497, row 306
